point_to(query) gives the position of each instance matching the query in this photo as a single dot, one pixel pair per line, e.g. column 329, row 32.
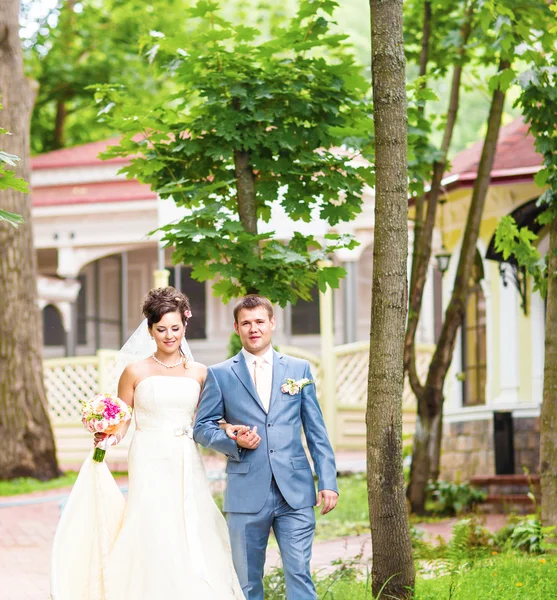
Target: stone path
column 28, row 523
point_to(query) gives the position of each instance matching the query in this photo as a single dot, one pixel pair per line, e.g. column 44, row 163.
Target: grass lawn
column 351, row 516
column 27, row 485
column 509, row 576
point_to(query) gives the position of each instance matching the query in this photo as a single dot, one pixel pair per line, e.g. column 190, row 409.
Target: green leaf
column 541, row 177
column 11, row 218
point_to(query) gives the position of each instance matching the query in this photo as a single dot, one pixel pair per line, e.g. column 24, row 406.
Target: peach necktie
column 262, row 380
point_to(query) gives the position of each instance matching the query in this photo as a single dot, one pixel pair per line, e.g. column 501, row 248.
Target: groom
column 270, row 482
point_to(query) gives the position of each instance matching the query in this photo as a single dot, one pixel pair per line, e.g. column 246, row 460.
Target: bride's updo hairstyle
column 163, row 300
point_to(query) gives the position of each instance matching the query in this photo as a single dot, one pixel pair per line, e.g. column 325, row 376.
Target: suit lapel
column 279, row 369
column 240, row 368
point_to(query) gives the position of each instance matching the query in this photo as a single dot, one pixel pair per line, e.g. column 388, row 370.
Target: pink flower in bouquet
column 101, row 426
column 104, row 414
column 111, row 409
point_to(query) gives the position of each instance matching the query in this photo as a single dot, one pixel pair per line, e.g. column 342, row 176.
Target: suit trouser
column 294, row 530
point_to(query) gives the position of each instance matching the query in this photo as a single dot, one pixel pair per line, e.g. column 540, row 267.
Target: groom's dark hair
column 253, row 301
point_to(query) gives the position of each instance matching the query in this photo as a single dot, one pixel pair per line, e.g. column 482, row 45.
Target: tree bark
column 26, row 440
column 247, row 205
column 430, row 404
column 549, row 406
column 59, row 125
column 245, row 184
column 393, row 566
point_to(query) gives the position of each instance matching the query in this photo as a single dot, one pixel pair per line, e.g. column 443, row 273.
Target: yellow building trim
column 494, row 329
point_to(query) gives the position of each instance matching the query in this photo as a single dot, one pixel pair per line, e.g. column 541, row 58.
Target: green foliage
column 351, row 516
column 339, row 583
column 509, row 576
column 526, row 534
column 496, row 33
column 470, row 540
column 11, row 218
column 538, row 101
column 450, row 498
column 512, row 241
column 8, row 180
column 495, row 576
column 284, row 103
column 80, row 43
column 234, row 344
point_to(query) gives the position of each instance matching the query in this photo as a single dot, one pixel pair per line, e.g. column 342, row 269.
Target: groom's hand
column 329, row 500
column 248, row 439
column 233, row 431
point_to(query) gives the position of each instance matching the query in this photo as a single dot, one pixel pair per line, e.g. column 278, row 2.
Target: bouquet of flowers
column 104, row 414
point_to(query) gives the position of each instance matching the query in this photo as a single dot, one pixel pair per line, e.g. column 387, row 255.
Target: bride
column 169, row 541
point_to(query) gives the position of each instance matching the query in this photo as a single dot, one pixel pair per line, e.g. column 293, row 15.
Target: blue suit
column 271, row 486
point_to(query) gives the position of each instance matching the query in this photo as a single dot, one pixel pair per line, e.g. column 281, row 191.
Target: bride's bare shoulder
column 135, row 370
column 200, row 367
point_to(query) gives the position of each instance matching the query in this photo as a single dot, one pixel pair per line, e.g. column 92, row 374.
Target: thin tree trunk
column 247, row 206
column 59, row 125
column 423, row 241
column 245, row 185
column 430, row 405
column 67, row 25
column 393, row 566
column 420, row 200
column 549, row 405
column 26, row 440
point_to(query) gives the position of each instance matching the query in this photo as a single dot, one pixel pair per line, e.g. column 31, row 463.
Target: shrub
column 445, row 497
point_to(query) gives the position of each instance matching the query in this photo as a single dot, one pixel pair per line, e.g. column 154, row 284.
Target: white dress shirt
column 261, row 371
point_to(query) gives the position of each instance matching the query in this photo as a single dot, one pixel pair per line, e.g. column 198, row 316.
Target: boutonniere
column 292, row 387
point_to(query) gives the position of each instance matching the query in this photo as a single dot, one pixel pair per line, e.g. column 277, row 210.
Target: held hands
column 329, row 500
column 245, row 436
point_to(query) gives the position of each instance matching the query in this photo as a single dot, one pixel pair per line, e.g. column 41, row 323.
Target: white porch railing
column 69, row 380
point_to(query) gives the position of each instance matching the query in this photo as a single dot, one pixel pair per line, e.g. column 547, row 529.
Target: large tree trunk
column 393, row 566
column 549, row 405
column 430, row 404
column 26, row 440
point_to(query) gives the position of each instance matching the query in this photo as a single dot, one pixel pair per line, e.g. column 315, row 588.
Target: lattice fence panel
column 352, row 365
column 67, row 383
column 351, row 376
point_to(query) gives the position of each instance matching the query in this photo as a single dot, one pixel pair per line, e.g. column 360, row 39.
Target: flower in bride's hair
column 187, row 314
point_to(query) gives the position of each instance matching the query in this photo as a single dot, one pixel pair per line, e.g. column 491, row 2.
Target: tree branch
column 423, row 242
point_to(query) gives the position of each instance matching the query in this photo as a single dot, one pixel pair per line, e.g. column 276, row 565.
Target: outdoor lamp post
column 444, row 256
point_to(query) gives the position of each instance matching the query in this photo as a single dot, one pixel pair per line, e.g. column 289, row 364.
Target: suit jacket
column 229, row 393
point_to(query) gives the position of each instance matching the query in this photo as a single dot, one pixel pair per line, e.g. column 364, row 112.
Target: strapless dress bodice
column 165, row 403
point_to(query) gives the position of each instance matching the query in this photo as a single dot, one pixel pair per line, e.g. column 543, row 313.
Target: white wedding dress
column 169, row 541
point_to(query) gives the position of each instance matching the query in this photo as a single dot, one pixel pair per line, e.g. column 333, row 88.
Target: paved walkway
column 28, row 523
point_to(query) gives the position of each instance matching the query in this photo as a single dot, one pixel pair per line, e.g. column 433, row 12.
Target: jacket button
column 271, row 451
column 268, row 425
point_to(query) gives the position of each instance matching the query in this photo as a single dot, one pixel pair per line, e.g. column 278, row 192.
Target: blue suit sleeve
column 206, row 430
column 317, row 438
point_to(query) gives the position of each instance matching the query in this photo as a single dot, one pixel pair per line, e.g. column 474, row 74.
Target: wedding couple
column 169, row 541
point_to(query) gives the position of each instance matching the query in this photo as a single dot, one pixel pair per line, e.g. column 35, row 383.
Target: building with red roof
column 494, row 388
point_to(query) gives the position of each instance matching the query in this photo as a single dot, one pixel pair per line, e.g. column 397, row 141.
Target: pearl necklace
column 165, row 365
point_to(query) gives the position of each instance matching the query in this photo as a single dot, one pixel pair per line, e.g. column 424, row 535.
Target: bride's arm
column 125, row 392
